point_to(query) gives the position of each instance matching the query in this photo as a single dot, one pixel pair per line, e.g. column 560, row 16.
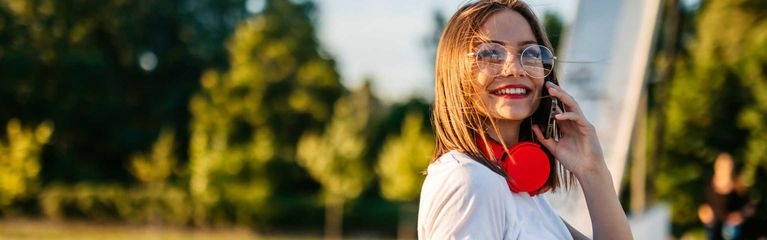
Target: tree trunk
column 334, row 214
column 639, row 159
column 408, row 216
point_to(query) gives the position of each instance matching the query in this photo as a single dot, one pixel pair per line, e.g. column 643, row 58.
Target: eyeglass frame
column 474, row 55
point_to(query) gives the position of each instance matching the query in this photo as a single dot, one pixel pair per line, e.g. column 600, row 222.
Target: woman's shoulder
column 457, row 170
column 463, row 199
column 455, row 164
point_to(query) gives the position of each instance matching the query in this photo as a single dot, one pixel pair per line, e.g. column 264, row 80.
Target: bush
column 142, row 205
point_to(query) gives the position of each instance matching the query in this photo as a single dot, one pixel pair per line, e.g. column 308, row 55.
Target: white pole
column 605, row 54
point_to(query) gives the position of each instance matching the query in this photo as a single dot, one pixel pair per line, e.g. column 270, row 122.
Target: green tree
column 552, row 23
column 112, row 74
column 334, row 158
column 400, row 168
column 715, row 104
column 155, row 168
column 154, row 171
column 280, row 83
column 20, row 160
column 109, row 74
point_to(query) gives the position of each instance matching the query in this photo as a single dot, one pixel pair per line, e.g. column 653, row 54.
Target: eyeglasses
column 493, row 58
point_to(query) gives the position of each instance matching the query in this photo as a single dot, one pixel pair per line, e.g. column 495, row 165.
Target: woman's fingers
column 567, row 100
column 548, row 143
column 572, row 116
column 571, row 122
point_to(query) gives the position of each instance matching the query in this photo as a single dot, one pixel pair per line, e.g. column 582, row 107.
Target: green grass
column 43, row 229
column 33, row 229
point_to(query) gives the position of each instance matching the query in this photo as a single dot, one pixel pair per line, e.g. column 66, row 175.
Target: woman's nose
column 513, row 67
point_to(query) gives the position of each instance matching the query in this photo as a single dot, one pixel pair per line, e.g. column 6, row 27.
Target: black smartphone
column 552, row 129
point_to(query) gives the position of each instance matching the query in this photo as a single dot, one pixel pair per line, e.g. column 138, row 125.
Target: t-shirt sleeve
column 465, row 200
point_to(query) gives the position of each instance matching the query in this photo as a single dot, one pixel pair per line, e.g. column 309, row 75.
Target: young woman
column 505, row 132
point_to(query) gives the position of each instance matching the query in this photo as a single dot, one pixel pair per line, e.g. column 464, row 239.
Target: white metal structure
column 604, row 56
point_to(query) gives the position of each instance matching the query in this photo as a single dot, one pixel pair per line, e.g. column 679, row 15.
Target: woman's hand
column 706, row 214
column 578, row 149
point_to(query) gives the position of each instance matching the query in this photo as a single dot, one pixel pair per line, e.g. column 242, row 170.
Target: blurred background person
column 727, row 204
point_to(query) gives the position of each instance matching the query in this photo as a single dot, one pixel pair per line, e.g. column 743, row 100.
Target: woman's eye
column 491, row 55
column 532, row 53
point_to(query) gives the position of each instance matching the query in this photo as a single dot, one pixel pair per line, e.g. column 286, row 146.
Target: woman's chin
column 512, row 116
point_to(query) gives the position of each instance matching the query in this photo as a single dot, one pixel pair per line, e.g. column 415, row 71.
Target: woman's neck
column 509, row 131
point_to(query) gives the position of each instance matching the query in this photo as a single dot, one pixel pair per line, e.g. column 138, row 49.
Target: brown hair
column 457, row 116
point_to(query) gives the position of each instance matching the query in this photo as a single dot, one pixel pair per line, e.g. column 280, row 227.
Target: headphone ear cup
column 527, row 164
column 528, row 167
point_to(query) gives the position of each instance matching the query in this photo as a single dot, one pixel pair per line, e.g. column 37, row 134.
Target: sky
column 384, row 41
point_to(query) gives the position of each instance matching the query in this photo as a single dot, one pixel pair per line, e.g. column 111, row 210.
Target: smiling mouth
column 513, row 91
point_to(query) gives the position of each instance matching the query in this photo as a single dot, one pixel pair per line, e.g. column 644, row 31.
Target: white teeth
column 511, row 91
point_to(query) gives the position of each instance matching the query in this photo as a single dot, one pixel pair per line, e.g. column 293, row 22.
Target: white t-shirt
column 463, row 199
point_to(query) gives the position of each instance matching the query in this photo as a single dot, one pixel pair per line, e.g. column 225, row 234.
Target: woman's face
column 512, row 94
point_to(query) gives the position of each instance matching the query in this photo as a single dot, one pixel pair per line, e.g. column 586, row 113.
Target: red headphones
column 526, row 163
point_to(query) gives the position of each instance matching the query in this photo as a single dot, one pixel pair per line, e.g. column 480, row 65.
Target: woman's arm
column 607, row 217
column 579, row 151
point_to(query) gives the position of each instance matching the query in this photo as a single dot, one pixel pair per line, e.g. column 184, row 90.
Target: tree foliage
column 403, row 160
column 20, row 160
column 79, row 64
column 238, row 80
column 552, row 23
column 245, row 86
column 335, row 157
column 156, row 167
column 715, row 104
column 279, row 85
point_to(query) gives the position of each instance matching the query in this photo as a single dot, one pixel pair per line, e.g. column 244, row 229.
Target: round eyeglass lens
column 492, row 58
column 537, row 60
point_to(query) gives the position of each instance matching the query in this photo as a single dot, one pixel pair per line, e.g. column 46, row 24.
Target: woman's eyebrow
column 522, row 43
